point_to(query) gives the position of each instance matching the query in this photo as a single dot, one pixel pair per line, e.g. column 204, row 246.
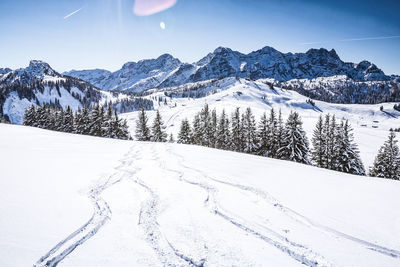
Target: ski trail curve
column 101, row 215
column 148, row 215
column 308, row 222
column 298, row 252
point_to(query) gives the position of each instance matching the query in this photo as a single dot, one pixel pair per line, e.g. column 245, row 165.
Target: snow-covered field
column 87, row 201
column 370, row 124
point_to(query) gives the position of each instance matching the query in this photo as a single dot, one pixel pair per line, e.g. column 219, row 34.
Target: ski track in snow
column 101, row 215
column 167, row 253
column 294, row 215
column 298, row 252
column 307, row 221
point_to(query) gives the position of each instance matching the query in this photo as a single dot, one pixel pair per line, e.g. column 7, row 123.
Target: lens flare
column 162, row 25
column 150, row 7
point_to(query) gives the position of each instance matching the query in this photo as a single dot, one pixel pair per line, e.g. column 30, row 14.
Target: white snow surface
column 86, row 201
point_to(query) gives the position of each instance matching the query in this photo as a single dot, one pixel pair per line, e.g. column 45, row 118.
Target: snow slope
column 86, row 201
column 370, row 124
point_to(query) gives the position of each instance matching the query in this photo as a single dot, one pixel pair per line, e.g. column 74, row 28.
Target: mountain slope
column 133, row 76
column 40, row 84
column 267, row 62
column 154, row 204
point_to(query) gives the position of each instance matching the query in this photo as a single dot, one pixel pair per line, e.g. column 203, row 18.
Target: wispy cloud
column 74, row 12
column 353, row 39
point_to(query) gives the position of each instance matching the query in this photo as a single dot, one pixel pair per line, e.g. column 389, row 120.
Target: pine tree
column 249, row 132
column 263, row 137
column 197, row 134
column 96, row 118
column 319, row 143
column 348, row 158
column 142, row 130
column 185, row 133
column 329, row 132
column 59, row 120
column 294, row 141
column 387, row 162
column 236, row 132
column 42, row 117
column 82, row 121
column 223, row 133
column 158, row 129
column 68, row 122
column 278, row 135
column 108, row 125
column 29, row 116
column 213, row 129
column 122, row 128
column 207, row 134
column 272, row 131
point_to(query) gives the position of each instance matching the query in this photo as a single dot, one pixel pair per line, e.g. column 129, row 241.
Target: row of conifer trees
column 96, row 121
column 156, row 132
column 333, row 145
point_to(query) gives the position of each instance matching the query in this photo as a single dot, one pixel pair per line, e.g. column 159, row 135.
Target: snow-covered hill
column 167, row 71
column 39, row 84
column 86, row 201
column 370, row 123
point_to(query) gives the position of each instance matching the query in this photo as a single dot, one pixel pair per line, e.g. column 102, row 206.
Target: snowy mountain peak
column 222, row 49
column 40, row 68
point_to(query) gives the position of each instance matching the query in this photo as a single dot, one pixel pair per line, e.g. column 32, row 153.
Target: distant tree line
column 352, row 92
column 333, row 144
column 130, row 104
column 96, row 121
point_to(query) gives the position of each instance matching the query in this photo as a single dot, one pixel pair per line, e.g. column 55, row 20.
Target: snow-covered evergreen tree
column 279, row 134
column 158, row 129
column 263, row 137
column 96, row 118
column 30, row 116
column 108, row 125
column 236, row 132
column 249, row 132
column 122, row 129
column 347, row 157
column 319, row 144
column 294, row 141
column 272, row 130
column 223, row 133
column 68, row 122
column 213, row 129
column 207, row 134
column 142, row 132
column 387, row 162
column 185, row 133
column 82, row 121
column 197, row 134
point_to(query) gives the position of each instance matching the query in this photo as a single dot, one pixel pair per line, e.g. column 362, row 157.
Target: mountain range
column 318, row 74
column 166, row 71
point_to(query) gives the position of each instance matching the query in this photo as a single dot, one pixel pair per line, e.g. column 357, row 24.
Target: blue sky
column 106, row 33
